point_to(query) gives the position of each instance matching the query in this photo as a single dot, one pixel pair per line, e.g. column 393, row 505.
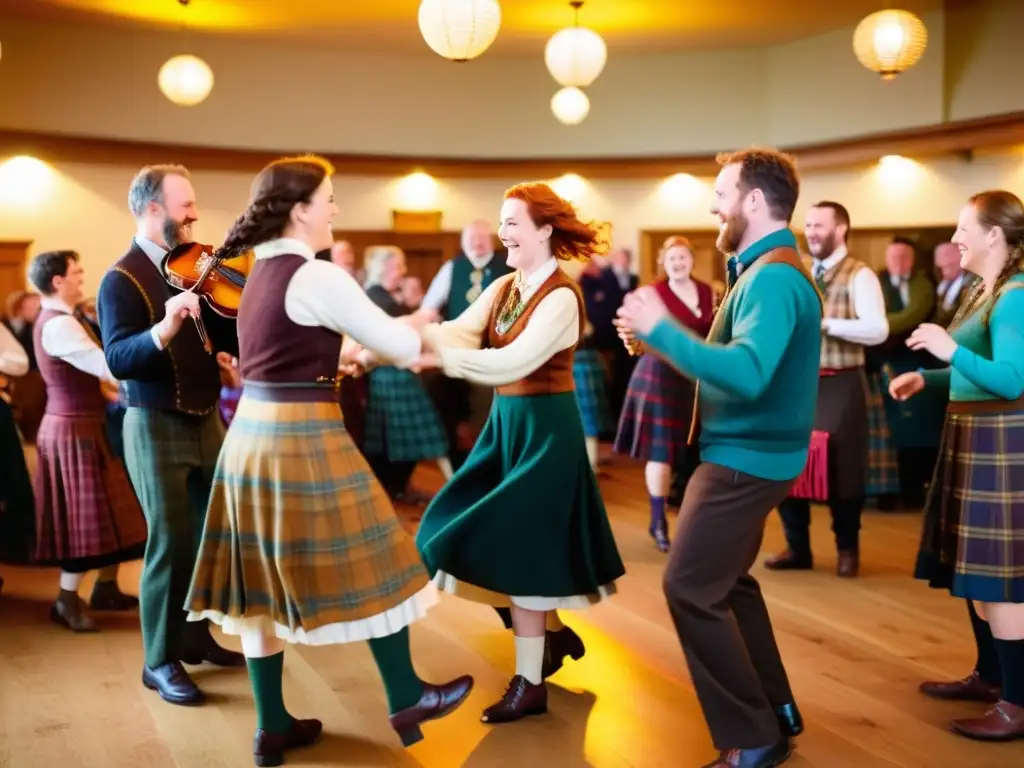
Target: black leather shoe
column 790, row 722
column 173, row 684
column 216, row 655
column 762, row 757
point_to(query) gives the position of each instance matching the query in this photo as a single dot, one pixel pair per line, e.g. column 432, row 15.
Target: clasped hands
column 641, row 310
column 357, row 360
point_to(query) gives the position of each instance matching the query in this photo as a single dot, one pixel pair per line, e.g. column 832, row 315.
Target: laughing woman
column 301, row 543
column 973, row 541
column 522, row 523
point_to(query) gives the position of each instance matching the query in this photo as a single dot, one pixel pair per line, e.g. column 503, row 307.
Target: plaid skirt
column 655, row 418
column 591, row 392
column 883, row 468
column 401, row 421
column 87, row 514
column 301, row 542
column 973, row 534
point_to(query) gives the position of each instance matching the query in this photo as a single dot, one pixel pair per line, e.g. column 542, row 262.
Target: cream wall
column 306, row 98
column 85, row 207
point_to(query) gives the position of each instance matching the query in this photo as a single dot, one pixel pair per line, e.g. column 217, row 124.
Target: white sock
column 446, row 468
column 592, row 451
column 70, row 582
column 530, row 658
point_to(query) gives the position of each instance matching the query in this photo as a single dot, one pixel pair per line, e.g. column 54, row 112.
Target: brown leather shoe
column 107, row 596
column 789, row 561
column 522, row 699
column 848, row 565
column 436, row 702
column 971, row 688
column 268, row 748
column 558, row 645
column 1004, row 722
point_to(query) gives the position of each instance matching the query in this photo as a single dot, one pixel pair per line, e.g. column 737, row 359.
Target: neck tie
column 733, row 266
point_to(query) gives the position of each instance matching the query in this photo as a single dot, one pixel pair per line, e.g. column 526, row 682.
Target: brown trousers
column 718, row 609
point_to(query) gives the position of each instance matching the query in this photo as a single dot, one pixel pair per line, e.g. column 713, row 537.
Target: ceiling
column 391, row 25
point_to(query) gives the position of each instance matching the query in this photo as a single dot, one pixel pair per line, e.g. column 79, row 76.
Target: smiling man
column 757, row 391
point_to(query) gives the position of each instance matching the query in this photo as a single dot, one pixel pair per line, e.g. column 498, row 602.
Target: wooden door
column 13, row 263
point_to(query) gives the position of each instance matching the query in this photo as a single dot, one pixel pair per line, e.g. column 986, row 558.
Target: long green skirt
column 523, row 516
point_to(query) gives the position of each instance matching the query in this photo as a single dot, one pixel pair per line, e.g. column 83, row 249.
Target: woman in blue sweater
column 973, row 540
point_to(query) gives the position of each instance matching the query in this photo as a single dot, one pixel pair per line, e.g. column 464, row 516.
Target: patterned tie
column 733, row 266
column 819, row 276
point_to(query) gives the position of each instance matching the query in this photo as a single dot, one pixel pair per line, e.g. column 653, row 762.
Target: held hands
column 906, row 385
column 641, row 311
column 934, row 339
column 425, row 361
column 420, row 318
column 177, row 309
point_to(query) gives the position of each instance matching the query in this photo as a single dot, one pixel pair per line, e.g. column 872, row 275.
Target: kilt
column 17, row 505
column 973, row 533
column 301, row 542
column 842, row 415
column 591, row 392
column 87, row 514
column 522, row 520
column 401, row 421
column 883, row 466
column 655, row 418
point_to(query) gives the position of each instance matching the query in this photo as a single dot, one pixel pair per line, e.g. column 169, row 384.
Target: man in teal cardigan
column 757, row 376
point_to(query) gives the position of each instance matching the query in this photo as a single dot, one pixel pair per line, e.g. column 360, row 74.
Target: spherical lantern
column 570, row 105
column 890, row 42
column 575, row 56
column 185, row 80
column 459, row 30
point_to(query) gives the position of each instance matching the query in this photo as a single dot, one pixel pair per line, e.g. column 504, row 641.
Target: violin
column 197, row 268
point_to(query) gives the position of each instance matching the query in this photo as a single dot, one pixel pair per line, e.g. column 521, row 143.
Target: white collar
column 282, row 246
column 540, row 274
column 833, row 258
column 154, row 252
column 55, row 304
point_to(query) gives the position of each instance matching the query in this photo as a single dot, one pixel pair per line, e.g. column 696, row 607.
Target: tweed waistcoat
column 555, row 375
column 69, row 391
column 837, row 354
column 271, row 346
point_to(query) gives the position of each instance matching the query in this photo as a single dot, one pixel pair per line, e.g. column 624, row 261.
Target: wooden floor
column 856, row 651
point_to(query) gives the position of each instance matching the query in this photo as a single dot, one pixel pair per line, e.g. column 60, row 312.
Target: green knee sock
column 265, row 675
column 394, row 660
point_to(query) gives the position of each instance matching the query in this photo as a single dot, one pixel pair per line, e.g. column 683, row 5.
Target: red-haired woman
column 522, row 523
column 655, row 419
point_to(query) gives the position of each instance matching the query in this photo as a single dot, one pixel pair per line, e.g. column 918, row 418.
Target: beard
column 177, row 232
column 732, row 233
column 825, row 247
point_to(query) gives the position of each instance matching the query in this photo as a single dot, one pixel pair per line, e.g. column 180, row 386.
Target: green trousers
column 170, row 459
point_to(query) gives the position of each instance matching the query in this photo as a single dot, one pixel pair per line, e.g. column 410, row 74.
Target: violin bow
column 200, row 326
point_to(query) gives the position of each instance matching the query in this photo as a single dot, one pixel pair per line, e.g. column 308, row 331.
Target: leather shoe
column 558, row 645
column 848, row 564
column 216, row 655
column 790, row 721
column 268, row 748
column 173, row 684
column 971, row 688
column 762, row 757
column 789, row 561
column 522, row 699
column 436, row 702
column 1004, row 722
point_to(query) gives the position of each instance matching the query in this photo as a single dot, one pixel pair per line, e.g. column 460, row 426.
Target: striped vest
column 836, row 353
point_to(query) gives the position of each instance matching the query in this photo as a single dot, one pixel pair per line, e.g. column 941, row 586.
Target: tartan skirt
column 522, row 520
column 973, row 533
column 591, row 392
column 401, row 421
column 655, row 418
column 301, row 541
column 883, row 467
column 17, row 505
column 87, row 513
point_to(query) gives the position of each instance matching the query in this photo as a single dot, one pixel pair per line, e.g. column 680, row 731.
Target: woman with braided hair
column 301, row 544
column 521, row 524
column 973, row 540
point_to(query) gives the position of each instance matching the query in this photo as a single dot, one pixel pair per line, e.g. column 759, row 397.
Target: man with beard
column 854, row 318
column 757, row 375
column 170, row 383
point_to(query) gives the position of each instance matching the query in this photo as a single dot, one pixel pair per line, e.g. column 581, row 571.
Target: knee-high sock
column 987, row 665
column 265, row 675
column 1011, row 659
column 394, row 661
column 530, row 658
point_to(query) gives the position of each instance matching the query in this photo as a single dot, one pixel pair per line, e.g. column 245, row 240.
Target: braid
column 1014, row 264
column 263, row 220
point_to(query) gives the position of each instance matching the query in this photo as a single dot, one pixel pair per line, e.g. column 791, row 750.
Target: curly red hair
column 571, row 238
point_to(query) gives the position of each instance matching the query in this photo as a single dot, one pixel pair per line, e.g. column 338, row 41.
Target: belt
column 291, row 391
column 985, row 406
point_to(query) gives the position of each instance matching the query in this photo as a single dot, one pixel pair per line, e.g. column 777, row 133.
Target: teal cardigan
column 758, row 369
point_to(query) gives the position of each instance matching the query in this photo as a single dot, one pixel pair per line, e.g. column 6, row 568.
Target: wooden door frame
column 9, row 257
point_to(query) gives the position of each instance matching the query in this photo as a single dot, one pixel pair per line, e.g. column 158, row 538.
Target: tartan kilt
column 655, row 418
column 401, row 421
column 883, row 467
column 973, row 533
column 87, row 513
column 300, row 540
column 591, row 392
